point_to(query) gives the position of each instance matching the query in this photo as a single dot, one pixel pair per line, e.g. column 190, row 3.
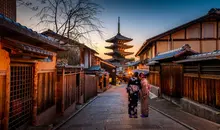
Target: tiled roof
column 119, row 37
column 120, row 46
column 117, row 60
column 108, row 63
column 35, row 49
column 174, row 53
column 152, row 63
column 119, row 53
column 201, row 57
column 50, row 32
column 18, row 28
column 214, row 10
column 94, row 68
column 27, row 48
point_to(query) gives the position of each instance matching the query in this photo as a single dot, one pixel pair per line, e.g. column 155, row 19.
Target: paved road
column 109, row 112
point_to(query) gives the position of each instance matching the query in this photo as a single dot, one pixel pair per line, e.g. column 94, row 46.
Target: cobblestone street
column 109, row 112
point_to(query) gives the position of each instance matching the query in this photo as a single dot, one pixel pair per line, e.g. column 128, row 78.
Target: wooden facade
column 90, row 86
column 195, row 77
column 165, row 74
column 71, row 88
column 28, row 87
column 201, row 81
column 28, row 75
column 154, row 77
column 86, row 55
column 201, row 34
column 111, row 69
column 168, row 77
column 32, row 90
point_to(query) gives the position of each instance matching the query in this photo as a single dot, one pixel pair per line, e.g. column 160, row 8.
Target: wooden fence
column 90, row 86
column 45, row 91
column 202, row 83
column 40, row 92
column 154, row 78
column 168, row 77
column 199, row 82
column 69, row 87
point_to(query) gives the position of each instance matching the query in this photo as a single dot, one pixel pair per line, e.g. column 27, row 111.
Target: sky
column 140, row 19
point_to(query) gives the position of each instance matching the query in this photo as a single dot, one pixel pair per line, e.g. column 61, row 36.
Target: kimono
column 133, row 91
column 144, row 94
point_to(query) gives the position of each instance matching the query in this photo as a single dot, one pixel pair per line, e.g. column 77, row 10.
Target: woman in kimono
column 133, row 90
column 144, row 94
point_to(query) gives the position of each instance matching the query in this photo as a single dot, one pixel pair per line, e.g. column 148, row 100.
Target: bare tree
column 28, row 4
column 74, row 19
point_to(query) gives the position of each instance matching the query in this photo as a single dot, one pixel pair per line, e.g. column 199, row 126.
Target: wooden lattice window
column 21, row 91
column 46, row 91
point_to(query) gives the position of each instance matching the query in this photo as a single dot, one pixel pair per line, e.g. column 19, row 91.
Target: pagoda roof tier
column 120, row 38
column 119, row 53
column 119, row 46
column 118, row 60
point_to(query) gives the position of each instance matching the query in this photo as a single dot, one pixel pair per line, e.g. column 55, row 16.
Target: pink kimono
column 144, row 94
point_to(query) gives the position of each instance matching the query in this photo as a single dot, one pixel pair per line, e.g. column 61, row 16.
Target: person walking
column 144, row 94
column 133, row 90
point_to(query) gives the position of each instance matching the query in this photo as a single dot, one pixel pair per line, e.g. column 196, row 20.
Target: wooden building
column 167, row 75
column 86, row 54
column 27, row 75
column 201, row 85
column 189, row 79
column 108, row 67
column 71, row 90
column 202, row 34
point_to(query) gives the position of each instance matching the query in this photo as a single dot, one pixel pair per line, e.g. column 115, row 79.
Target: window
column 21, row 91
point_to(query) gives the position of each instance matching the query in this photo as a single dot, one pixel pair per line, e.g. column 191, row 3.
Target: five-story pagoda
column 118, row 47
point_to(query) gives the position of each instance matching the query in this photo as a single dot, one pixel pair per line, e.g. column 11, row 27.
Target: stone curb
column 74, row 114
column 187, row 126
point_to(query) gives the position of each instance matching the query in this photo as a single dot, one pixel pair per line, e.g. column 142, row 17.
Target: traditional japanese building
column 118, row 54
column 202, row 34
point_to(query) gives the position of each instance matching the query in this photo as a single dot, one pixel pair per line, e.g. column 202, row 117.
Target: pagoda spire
column 118, row 25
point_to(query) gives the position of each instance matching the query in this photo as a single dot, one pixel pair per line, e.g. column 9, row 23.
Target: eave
column 16, row 31
column 119, row 37
column 150, row 41
column 119, row 46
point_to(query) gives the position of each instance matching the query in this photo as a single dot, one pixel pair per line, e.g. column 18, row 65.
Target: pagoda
column 118, row 54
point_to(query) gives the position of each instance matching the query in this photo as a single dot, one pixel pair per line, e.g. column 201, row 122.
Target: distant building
column 202, row 34
column 119, row 47
column 86, row 54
